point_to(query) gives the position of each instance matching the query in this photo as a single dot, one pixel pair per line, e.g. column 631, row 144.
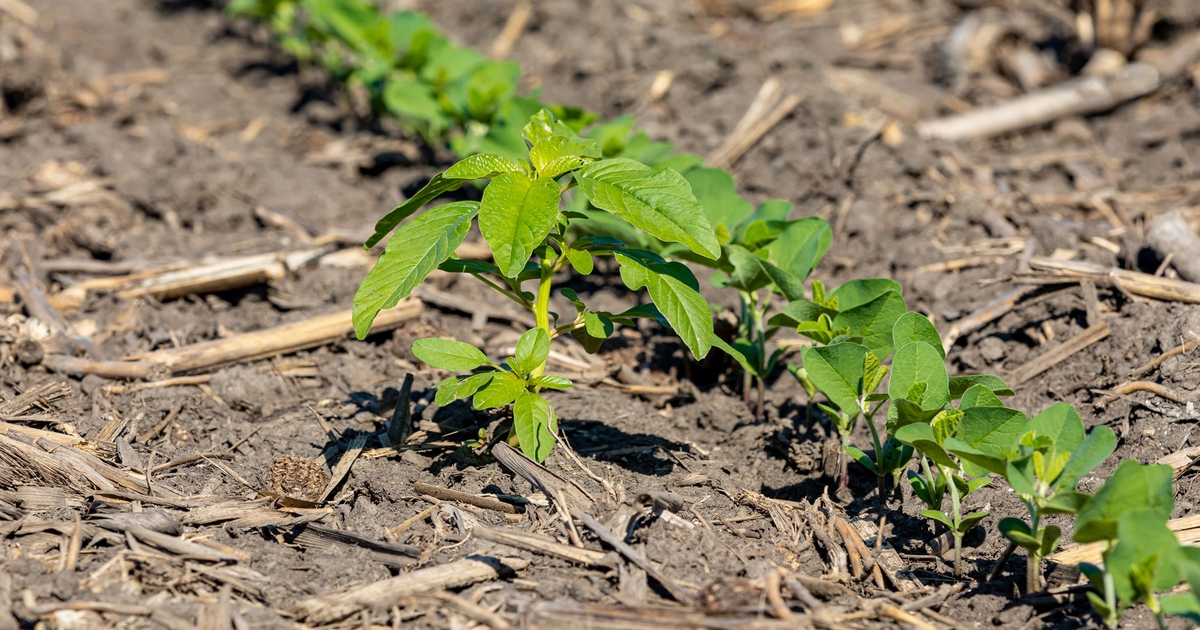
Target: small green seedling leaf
column 857, row 292
column 1131, row 487
column 535, row 424
column 550, row 381
column 515, row 216
column 960, row 384
column 462, row 389
column 873, row 321
column 659, row 202
column 502, row 390
column 532, row 349
column 861, row 457
column 1018, row 531
column 1099, row 444
column 1062, row 424
column 919, row 362
column 921, row 437
column 939, row 517
column 978, row 396
column 454, row 356
column 675, row 292
column 912, row 327
column 410, row 256
column 970, row 520
column 837, row 371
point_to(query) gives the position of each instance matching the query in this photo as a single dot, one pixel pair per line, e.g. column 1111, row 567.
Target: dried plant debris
column 297, row 477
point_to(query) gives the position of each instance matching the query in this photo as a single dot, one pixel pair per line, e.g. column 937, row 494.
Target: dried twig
column 504, row 42
column 487, row 503
column 275, row 341
column 1058, row 354
column 545, row 545
column 762, row 115
column 1138, row 386
column 1052, row 271
column 678, row 592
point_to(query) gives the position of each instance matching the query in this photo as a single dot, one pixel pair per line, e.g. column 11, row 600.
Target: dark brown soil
column 235, row 125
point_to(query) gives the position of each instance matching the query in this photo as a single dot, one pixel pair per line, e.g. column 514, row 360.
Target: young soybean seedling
column 521, row 221
column 1143, row 557
column 926, row 419
column 1047, row 464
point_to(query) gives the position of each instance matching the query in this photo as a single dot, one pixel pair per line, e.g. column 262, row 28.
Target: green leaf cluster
column 521, row 219
column 446, row 93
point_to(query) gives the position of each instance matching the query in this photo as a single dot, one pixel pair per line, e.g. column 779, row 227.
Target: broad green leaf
column 448, row 62
column 860, row 457
column 1051, row 535
column 1131, row 487
column 535, row 424
column 581, row 261
column 798, row 311
column 741, row 359
column 939, row 517
column 550, row 381
column 557, row 155
column 873, row 373
column 837, row 371
column 977, row 396
column 1066, row 502
column 1099, row 444
column 861, row 291
column 515, row 216
column 410, row 256
column 532, row 349
column 918, row 362
column 716, row 191
column 1143, row 539
column 440, row 184
column 970, row 520
column 1019, row 475
column 1017, row 531
column 675, row 291
column 905, row 412
column 464, row 388
column 1062, row 424
column 503, row 389
column 960, row 384
column 873, row 321
column 984, row 438
column 544, row 125
column 482, row 166
column 800, row 246
column 912, row 327
column 751, row 273
column 410, row 97
column 447, row 354
column 659, row 202
column 921, row 437
column 945, row 423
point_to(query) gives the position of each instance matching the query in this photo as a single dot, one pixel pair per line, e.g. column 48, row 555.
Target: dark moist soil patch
column 233, row 125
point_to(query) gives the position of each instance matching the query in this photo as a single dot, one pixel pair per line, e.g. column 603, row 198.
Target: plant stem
column 956, row 519
column 1033, row 566
column 505, row 292
column 541, row 308
column 1113, row 619
column 931, row 481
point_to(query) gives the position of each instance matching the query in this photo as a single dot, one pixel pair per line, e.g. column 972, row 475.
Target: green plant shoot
column 520, row 218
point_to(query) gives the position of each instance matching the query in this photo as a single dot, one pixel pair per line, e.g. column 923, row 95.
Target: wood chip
column 1058, row 354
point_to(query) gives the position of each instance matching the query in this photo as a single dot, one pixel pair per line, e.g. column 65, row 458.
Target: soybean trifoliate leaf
column 716, row 191
column 799, row 311
column 557, row 155
column 1099, row 444
column 515, row 216
column 751, row 273
column 912, row 327
column 532, row 349
column 861, row 291
column 918, row 362
column 675, row 292
column 474, row 167
column 502, row 390
column 534, row 422
column 1062, row 424
column 979, row 396
column 873, row 373
column 985, row 436
column 1019, row 474
column 410, row 97
column 801, row 245
column 1143, row 540
column 837, row 371
column 960, row 384
column 659, row 202
column 945, row 423
column 410, row 256
column 873, row 321
column 446, row 354
column 1132, row 486
column 920, row 436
